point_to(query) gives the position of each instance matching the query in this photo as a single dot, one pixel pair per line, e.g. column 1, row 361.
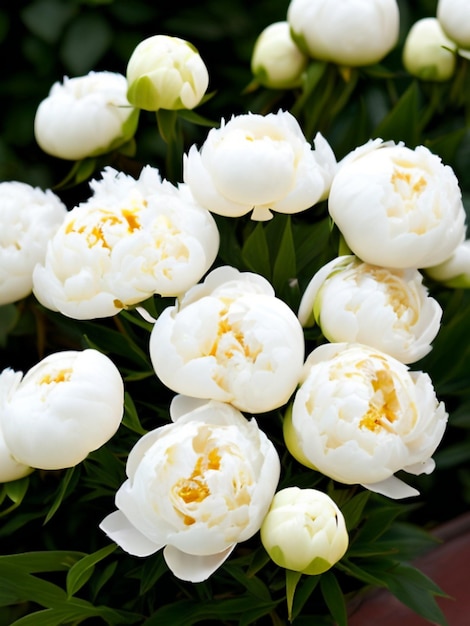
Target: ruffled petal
column 393, row 488
column 193, row 568
column 119, row 529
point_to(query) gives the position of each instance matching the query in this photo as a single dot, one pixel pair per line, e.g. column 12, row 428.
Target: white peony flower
column 359, row 416
column 389, row 310
column 85, row 116
column 233, row 343
column 130, row 240
column 29, row 217
column 276, row 61
column 346, row 32
column 427, row 52
column 304, row 531
column 198, row 486
column 66, row 406
column 259, row 163
column 10, row 468
column 166, row 73
column 455, row 271
column 454, row 17
column 397, row 207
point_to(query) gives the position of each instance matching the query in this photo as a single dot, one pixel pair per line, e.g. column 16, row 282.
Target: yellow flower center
column 195, row 487
column 58, row 377
column 383, row 407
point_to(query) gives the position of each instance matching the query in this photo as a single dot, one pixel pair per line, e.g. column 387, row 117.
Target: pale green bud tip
column 428, row 54
column 142, row 94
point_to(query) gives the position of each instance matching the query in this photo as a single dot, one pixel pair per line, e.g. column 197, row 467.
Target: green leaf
column 285, row 270
column 167, row 124
column 131, row 417
column 152, row 570
column 292, row 580
column 23, row 587
column 47, row 18
column 334, row 598
column 255, row 252
column 252, row 584
column 402, row 122
column 188, row 612
column 8, row 319
column 353, row 509
column 303, row 592
column 81, row 572
column 313, row 76
column 66, row 485
column 42, row 561
column 195, row 118
column 17, row 489
column 416, row 591
column 365, row 571
column 96, row 31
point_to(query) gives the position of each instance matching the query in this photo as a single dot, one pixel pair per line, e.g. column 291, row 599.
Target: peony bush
column 234, row 314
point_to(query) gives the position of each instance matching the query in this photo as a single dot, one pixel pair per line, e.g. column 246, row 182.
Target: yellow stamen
column 60, row 377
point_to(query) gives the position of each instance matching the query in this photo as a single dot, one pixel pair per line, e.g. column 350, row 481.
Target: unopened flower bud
column 166, row 73
column 304, row 531
column 455, row 271
column 277, row 62
column 351, row 32
column 428, row 52
column 85, row 116
column 454, row 16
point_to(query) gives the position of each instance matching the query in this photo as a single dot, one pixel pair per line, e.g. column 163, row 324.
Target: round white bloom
column 428, row 53
column 85, row 116
column 130, row 240
column 454, row 17
column 359, row 416
column 29, row 217
column 277, row 62
column 233, row 344
column 166, row 73
column 304, row 531
column 397, row 207
column 66, row 406
column 198, row 486
column 383, row 308
column 10, row 468
column 346, row 32
column 455, row 271
column 259, row 163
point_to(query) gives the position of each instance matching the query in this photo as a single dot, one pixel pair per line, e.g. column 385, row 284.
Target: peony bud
column 304, row 531
column 455, row 271
column 85, row 116
column 277, row 62
column 454, row 16
column 427, row 52
column 166, row 73
column 346, row 32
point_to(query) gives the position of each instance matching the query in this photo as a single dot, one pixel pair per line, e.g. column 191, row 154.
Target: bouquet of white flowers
column 235, row 337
